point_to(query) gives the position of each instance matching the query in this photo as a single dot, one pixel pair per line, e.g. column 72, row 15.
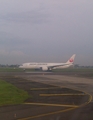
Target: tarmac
column 54, row 97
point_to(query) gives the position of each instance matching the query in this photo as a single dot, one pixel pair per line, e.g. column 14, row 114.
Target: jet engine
column 44, row 68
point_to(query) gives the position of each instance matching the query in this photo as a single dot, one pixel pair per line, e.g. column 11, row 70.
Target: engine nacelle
column 44, row 68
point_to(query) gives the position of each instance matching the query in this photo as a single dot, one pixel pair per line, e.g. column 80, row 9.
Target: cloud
column 11, row 57
column 34, row 16
column 44, row 30
column 16, row 53
column 6, row 52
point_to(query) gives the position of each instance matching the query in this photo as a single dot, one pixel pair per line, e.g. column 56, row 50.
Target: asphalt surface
column 54, row 97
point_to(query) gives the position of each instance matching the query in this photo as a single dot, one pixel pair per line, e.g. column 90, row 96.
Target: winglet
column 71, row 60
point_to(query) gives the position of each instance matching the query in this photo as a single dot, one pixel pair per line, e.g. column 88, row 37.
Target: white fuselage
column 48, row 66
column 44, row 66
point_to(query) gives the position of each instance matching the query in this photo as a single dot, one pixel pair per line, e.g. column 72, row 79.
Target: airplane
column 48, row 66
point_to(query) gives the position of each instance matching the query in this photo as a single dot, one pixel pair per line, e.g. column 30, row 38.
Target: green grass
column 9, row 94
column 74, row 70
column 80, row 72
column 9, row 69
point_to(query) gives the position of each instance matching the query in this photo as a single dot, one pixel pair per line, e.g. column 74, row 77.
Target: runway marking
column 55, row 105
column 46, row 114
column 90, row 96
column 46, row 95
column 89, row 100
column 44, row 88
column 56, row 112
column 51, row 113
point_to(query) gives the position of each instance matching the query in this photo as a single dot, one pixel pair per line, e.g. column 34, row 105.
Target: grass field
column 10, row 69
column 74, row 70
column 9, row 94
column 80, row 72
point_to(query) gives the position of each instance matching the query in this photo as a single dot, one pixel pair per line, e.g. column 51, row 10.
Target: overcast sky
column 46, row 31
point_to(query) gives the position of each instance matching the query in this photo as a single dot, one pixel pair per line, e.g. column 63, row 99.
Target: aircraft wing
column 58, row 65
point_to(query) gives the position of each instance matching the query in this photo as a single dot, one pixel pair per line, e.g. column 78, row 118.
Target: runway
column 55, row 97
column 82, row 84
